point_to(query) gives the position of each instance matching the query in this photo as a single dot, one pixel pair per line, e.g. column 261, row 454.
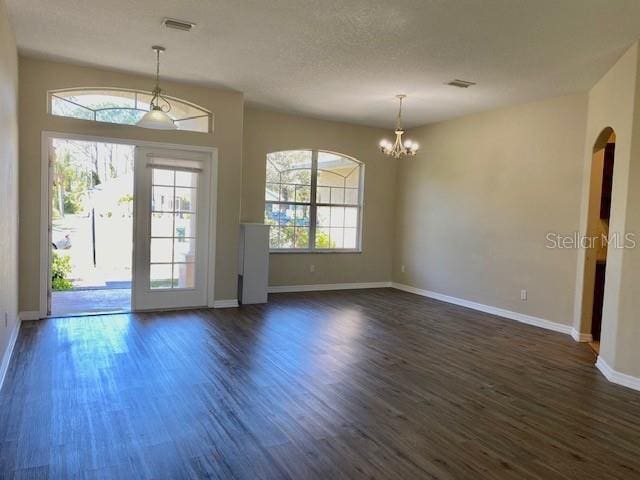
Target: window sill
column 300, row 250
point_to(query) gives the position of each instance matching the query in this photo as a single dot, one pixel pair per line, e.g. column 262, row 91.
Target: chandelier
column 399, row 148
column 157, row 117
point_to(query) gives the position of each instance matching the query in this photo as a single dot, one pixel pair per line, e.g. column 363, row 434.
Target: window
column 124, row 107
column 173, row 228
column 313, row 201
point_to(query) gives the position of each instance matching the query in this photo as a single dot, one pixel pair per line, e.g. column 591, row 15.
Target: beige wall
column 266, row 132
column 627, row 343
column 475, row 205
column 37, row 77
column 611, row 104
column 8, row 183
column 623, row 351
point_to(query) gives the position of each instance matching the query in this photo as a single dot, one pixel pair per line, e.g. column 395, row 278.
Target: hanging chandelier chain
column 157, row 69
column 157, row 91
column 399, row 120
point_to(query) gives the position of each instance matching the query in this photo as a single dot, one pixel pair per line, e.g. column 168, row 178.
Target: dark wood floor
column 358, row 384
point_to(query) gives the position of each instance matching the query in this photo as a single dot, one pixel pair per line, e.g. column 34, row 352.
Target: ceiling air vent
column 178, row 24
column 460, row 83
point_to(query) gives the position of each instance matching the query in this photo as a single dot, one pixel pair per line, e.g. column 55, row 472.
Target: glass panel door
column 171, row 237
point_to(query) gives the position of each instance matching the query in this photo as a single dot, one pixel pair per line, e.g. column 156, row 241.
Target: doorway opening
column 91, row 227
column 599, row 213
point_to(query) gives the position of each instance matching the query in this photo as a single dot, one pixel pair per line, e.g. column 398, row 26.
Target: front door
column 172, row 228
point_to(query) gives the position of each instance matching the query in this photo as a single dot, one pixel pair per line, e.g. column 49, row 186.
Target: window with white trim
column 124, row 107
column 313, row 201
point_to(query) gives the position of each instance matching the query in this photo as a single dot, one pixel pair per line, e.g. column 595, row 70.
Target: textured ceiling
column 346, row 59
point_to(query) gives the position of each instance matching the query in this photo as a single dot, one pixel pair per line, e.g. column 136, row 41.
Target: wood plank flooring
column 328, row 385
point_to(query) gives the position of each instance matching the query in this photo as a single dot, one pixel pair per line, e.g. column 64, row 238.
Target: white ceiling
column 346, row 59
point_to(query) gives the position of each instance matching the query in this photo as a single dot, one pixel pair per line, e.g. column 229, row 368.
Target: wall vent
column 178, row 24
column 460, row 83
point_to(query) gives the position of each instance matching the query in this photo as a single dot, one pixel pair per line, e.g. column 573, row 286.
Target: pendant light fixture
column 157, row 117
column 399, row 148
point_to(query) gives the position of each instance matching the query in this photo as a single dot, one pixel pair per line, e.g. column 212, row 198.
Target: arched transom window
column 124, row 107
column 313, row 201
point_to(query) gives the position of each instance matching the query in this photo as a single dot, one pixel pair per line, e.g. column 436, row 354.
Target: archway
column 597, row 235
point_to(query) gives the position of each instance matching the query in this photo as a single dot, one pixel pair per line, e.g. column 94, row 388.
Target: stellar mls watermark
column 579, row 240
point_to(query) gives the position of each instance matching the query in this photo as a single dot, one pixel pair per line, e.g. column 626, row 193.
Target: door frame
column 46, row 183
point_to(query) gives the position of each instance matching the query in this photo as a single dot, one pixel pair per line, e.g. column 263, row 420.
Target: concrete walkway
column 73, row 302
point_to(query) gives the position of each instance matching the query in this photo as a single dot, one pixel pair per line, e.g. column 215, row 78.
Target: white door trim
column 45, row 202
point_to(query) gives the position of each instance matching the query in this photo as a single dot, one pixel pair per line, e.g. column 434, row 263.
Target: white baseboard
column 501, row 312
column 6, row 358
column 581, row 337
column 30, row 315
column 614, row 376
column 232, row 303
column 327, row 286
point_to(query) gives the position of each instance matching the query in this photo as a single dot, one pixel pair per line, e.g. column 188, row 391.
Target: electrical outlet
column 312, row 268
column 403, row 269
column 523, row 295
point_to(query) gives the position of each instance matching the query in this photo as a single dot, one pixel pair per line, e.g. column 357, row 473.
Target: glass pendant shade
column 157, row 120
